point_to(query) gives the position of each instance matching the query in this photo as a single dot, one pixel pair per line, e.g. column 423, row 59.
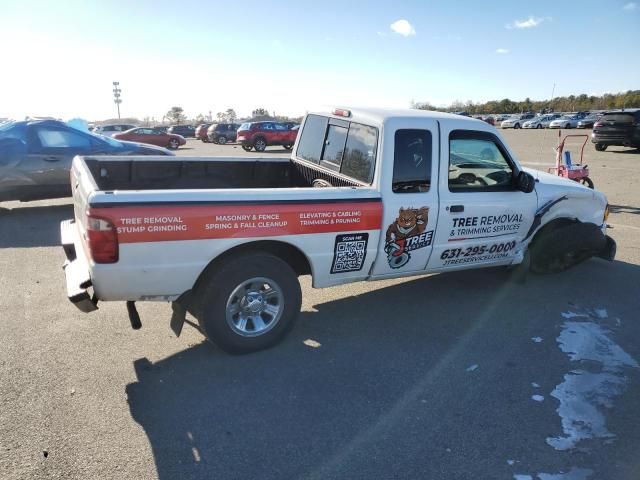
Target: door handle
column 456, row 208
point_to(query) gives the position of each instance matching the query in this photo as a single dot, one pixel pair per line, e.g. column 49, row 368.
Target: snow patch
column 535, row 385
column 537, row 398
column 573, row 315
column 583, row 394
column 472, row 367
column 573, row 474
column 536, row 339
column 522, row 477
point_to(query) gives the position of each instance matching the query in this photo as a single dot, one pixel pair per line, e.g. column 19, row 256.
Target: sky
column 60, row 58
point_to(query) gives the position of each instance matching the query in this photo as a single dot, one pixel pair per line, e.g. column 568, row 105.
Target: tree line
column 572, row 103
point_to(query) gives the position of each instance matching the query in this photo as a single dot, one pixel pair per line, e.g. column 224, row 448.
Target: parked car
column 162, row 128
column 111, row 130
column 153, row 137
column 501, row 117
column 35, row 157
column 260, row 225
column 516, row 121
column 621, row 128
column 222, row 132
column 566, row 121
column 201, row 132
column 186, row 131
column 489, row 119
column 260, row 135
column 589, row 120
column 541, row 121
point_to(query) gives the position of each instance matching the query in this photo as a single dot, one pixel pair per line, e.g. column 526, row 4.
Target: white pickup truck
column 366, row 195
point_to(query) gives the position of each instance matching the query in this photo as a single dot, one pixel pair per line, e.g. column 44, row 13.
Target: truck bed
column 159, row 173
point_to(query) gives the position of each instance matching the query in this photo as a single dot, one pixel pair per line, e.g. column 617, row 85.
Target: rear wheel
column 601, row 147
column 567, row 126
column 564, row 247
column 222, row 140
column 516, row 126
column 539, row 125
column 249, row 302
column 247, row 148
column 260, row 144
column 587, row 182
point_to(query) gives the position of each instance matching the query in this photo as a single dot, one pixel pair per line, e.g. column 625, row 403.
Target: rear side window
column 617, row 117
column 312, row 138
column 412, row 161
column 54, row 138
column 360, row 152
column 342, row 146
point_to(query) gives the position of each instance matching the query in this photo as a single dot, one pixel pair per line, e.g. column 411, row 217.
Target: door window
column 57, row 138
column 478, row 162
column 412, row 161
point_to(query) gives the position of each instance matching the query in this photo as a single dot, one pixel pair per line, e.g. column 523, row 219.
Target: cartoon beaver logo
column 410, row 221
column 407, row 233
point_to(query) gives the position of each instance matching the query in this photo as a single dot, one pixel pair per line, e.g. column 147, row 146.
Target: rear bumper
column 76, row 269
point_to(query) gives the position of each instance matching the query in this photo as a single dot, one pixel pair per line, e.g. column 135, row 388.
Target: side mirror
column 525, row 182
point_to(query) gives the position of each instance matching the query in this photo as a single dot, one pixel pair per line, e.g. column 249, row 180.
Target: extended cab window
column 312, row 138
column 478, row 162
column 359, row 158
column 412, row 161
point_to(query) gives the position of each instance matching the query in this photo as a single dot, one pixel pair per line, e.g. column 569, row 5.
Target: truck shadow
column 294, row 410
column 37, row 226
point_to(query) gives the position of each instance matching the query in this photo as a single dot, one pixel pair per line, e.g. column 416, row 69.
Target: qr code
column 349, row 253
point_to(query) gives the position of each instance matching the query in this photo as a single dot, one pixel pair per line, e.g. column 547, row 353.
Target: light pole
column 116, row 96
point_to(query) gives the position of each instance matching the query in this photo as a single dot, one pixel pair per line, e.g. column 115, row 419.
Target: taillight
column 102, row 237
column 597, row 124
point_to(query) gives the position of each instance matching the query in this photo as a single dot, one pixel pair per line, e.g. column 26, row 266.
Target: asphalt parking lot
column 456, row 376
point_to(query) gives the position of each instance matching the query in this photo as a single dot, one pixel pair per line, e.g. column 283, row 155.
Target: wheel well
column 552, row 226
column 287, row 252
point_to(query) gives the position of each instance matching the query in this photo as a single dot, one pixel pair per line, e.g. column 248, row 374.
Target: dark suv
column 621, row 128
column 184, row 130
column 222, row 132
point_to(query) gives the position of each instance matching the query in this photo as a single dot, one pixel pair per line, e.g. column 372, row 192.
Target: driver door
column 483, row 216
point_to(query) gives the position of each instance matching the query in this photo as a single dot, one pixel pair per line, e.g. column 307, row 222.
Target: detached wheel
column 173, row 144
column 260, row 144
column 600, row 147
column 564, row 247
column 222, row 140
column 247, row 148
column 249, row 302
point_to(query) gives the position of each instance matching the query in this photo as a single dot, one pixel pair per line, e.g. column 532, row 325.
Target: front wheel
column 247, row 148
column 516, row 126
column 222, row 140
column 173, row 144
column 564, row 247
column 260, row 145
column 600, row 147
column 539, row 125
column 249, row 302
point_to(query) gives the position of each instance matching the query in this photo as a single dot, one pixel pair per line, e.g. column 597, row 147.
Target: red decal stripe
column 196, row 222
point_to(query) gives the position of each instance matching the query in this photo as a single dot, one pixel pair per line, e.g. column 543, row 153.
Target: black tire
column 567, row 126
column 260, row 144
column 247, row 148
column 516, row 126
column 205, row 140
column 288, row 146
column 217, row 296
column 539, row 125
column 173, row 144
column 587, row 182
column 222, row 140
column 562, row 248
column 601, row 147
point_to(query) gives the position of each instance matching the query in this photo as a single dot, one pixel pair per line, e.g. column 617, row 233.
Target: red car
column 201, row 132
column 259, row 135
column 153, row 137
